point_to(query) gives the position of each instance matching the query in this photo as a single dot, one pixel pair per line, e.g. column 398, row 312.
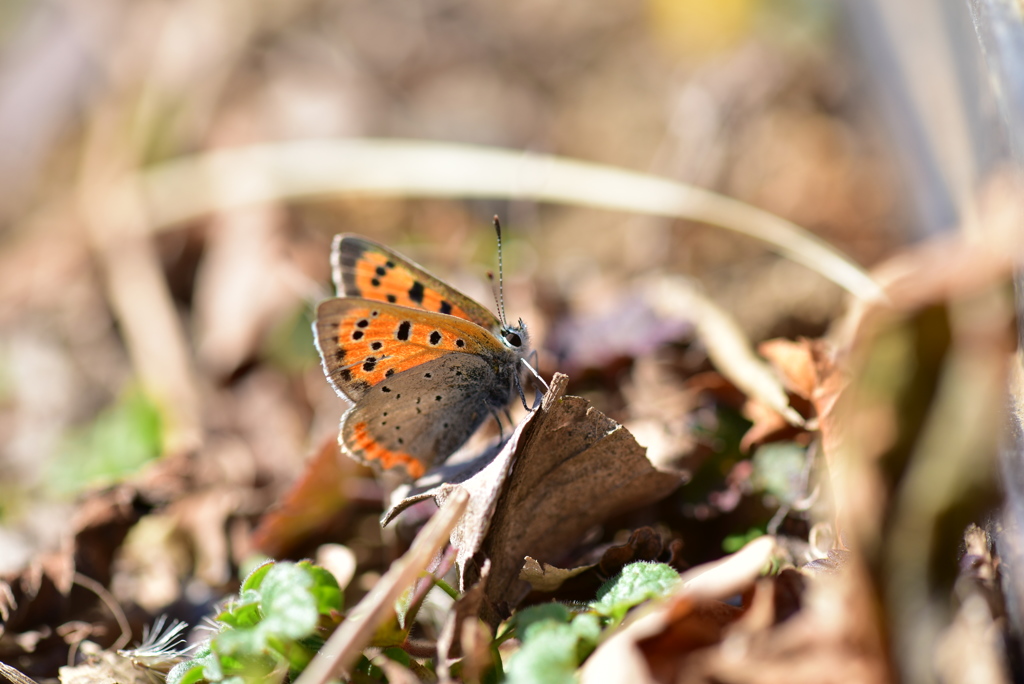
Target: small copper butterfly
column 423, row 364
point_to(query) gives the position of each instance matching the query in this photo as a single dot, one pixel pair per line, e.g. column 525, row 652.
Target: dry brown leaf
column 644, row 544
column 808, row 369
column 566, row 468
column 766, row 424
column 106, row 666
column 546, row 577
column 793, row 364
column 574, row 468
column 692, row 623
column 580, row 583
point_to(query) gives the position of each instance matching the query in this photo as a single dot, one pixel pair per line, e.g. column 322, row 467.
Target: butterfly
column 423, row 364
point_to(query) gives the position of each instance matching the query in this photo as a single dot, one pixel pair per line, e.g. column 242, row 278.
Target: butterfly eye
column 513, row 338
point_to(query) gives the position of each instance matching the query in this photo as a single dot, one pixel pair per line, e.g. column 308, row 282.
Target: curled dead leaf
column 546, row 577
column 565, row 468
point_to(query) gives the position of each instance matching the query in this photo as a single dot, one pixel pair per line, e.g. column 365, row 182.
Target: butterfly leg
column 519, row 387
column 501, row 428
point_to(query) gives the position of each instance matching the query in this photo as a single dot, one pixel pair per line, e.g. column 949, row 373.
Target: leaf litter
column 770, row 531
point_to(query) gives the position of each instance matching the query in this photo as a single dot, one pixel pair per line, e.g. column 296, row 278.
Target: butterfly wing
column 363, row 268
column 422, row 415
column 363, row 342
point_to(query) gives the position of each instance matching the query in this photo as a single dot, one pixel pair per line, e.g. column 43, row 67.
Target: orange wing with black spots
column 363, row 268
column 363, row 342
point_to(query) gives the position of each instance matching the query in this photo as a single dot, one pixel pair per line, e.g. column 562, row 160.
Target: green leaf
column 244, row 611
column 326, row 590
column 554, row 643
column 399, row 656
column 269, row 629
column 255, row 578
column 587, row 627
column 543, row 612
column 242, row 642
column 547, row 656
column 289, row 607
column 636, row 583
column 402, row 608
column 192, row 670
column 735, row 542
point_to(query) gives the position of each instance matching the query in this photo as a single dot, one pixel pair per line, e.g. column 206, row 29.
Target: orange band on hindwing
column 371, row 450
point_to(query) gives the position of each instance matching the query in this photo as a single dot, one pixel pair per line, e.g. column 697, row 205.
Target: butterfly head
column 516, row 338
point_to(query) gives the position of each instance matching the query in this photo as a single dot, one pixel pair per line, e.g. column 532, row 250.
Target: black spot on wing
column 460, row 343
column 357, row 335
column 416, row 292
column 389, row 372
column 446, row 308
column 435, row 338
column 363, row 323
column 381, row 271
column 375, row 346
column 370, row 364
column 392, row 299
column 403, row 330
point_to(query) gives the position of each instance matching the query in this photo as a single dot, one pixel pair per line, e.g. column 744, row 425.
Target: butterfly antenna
column 501, row 275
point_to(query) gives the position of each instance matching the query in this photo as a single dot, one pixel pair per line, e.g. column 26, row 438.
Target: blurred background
column 177, row 353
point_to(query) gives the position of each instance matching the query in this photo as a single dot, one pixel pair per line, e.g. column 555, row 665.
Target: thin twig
column 111, row 604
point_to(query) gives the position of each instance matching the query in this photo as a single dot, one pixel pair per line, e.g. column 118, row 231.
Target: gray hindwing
column 431, row 410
